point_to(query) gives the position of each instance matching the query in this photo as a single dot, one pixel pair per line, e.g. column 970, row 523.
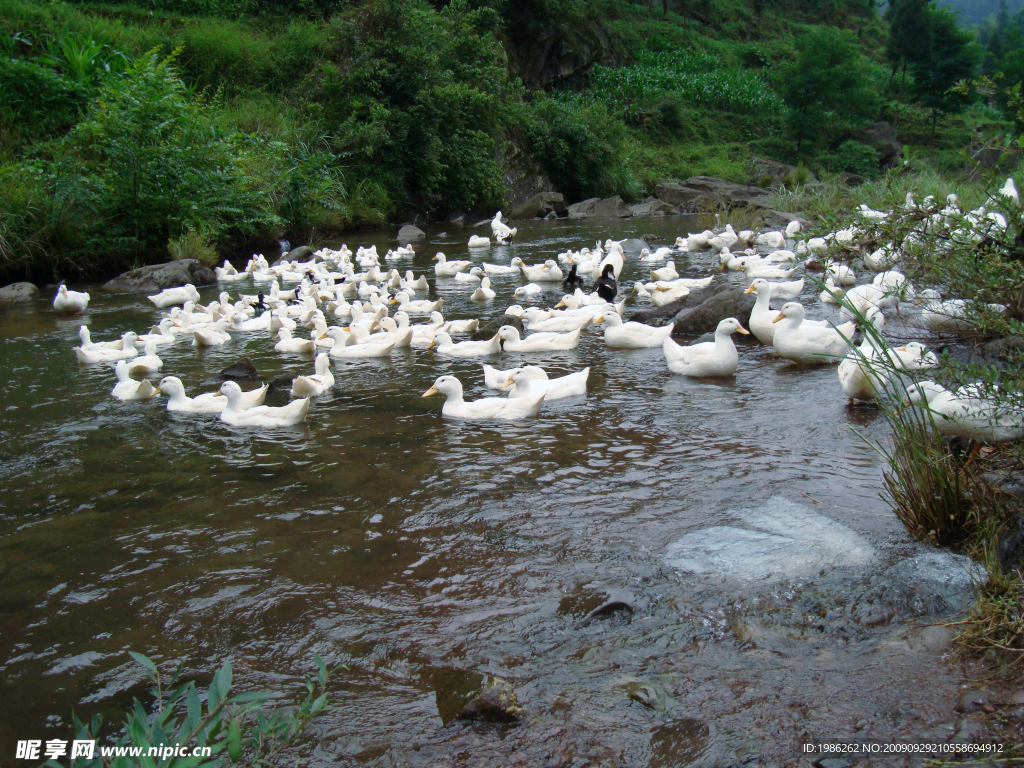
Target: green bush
column 579, row 146
column 147, row 163
column 851, row 157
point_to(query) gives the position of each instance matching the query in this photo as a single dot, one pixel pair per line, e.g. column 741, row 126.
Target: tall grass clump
column 193, row 244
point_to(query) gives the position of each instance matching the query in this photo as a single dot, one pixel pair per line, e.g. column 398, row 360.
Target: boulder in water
column 157, row 277
column 487, row 331
column 409, row 232
column 18, row 292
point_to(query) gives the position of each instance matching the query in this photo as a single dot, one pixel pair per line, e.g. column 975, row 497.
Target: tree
column 827, row 89
column 909, row 36
column 952, row 58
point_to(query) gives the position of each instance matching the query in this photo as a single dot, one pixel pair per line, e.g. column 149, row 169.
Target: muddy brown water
column 403, row 545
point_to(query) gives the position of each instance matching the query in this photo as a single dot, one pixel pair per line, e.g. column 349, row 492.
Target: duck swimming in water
column 606, row 287
column 572, row 281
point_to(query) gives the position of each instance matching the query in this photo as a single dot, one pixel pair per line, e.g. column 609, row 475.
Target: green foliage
column 147, row 163
column 232, row 726
column 579, row 146
column 851, row 157
column 418, row 103
column 193, row 244
column 694, row 77
column 827, row 89
column 952, row 58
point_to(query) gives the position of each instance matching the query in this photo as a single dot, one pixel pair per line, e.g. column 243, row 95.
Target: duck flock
column 342, row 305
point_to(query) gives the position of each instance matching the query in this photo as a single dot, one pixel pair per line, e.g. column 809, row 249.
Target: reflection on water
column 378, row 533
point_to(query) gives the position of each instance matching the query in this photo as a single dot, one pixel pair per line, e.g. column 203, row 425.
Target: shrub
column 851, row 157
column 148, row 163
column 579, row 146
column 193, row 244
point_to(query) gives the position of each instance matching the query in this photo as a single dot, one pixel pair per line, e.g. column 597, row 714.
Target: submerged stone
column 792, row 541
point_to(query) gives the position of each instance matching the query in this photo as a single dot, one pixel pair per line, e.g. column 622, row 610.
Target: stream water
column 406, row 545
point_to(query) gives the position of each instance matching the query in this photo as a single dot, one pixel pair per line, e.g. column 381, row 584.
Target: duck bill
column 778, row 319
column 599, row 319
column 751, row 289
column 432, row 391
column 560, row 304
column 508, row 383
column 742, row 330
column 431, row 345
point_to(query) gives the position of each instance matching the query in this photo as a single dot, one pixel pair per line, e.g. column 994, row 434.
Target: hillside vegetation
column 234, row 122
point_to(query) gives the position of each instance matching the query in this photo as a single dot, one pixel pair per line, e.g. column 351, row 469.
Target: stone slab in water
column 409, row 232
column 157, row 277
column 791, row 541
column 18, row 292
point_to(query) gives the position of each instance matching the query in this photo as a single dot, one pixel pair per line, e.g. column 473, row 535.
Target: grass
column 193, row 244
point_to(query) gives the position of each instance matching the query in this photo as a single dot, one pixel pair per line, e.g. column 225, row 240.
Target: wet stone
column 466, row 695
column 650, row 695
column 974, row 701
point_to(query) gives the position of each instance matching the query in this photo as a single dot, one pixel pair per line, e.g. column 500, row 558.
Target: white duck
column 318, row 383
column 422, row 307
column 129, row 389
column 484, row 292
column 87, row 343
column 444, row 345
column 969, row 413
column 445, row 268
column 530, row 289
column 708, row 359
column 474, row 275
column 107, row 354
column 666, row 293
column 212, row 335
column 841, row 274
column 537, row 342
column 291, row 345
column 349, row 346
column 160, row 335
column 498, row 269
column 263, row 416
column 809, row 344
column 531, row 380
column 418, row 284
column 209, row 402
column 668, row 272
column 502, row 231
column 171, row 296
column 477, row 241
column 759, row 270
column 548, row 272
column 70, row 302
column 949, row 315
column 496, row 379
column 538, row 320
column 505, row 408
column 832, row 294
column 620, row 335
column 147, row 363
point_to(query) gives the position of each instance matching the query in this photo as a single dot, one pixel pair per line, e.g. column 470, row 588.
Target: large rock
column 465, row 695
column 544, row 51
column 702, row 192
column 611, row 208
column 409, row 232
column 583, row 209
column 540, row 206
column 882, row 137
column 487, row 331
column 658, row 315
column 302, row 253
column 18, row 292
column 652, row 206
column 772, row 173
column 705, row 317
column 157, row 277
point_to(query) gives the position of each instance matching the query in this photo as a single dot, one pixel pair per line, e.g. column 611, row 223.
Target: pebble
column 974, row 701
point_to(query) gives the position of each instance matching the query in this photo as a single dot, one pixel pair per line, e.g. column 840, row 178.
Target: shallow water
column 398, row 542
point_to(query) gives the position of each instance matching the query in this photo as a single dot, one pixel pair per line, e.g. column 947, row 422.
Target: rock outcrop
column 540, row 206
column 18, row 292
column 701, row 192
column 772, row 173
column 409, row 232
column 596, row 208
column 547, row 51
column 652, row 206
column 157, row 277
